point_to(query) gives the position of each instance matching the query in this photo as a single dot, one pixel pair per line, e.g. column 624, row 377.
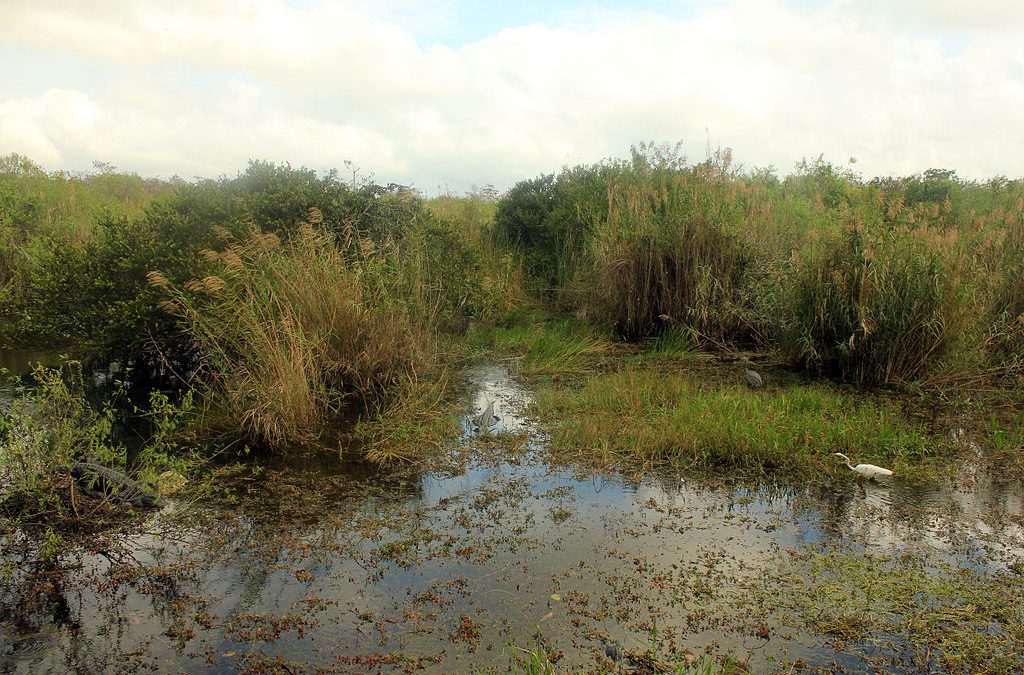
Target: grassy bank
column 646, row 413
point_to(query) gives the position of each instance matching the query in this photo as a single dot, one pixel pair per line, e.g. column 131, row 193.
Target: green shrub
column 548, row 219
column 93, row 295
column 47, row 427
column 521, row 222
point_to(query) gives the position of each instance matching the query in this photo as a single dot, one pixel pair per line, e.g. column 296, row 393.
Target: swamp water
column 320, row 565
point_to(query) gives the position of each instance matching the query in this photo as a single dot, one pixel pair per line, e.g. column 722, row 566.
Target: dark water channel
column 320, row 565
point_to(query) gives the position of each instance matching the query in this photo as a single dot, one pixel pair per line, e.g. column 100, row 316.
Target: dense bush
column 38, row 205
column 887, row 281
column 548, row 219
column 94, row 294
column 521, row 221
column 464, row 253
column 731, row 257
column 670, row 254
column 880, row 310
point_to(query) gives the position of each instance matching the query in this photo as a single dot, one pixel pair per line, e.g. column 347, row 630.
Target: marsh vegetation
column 288, row 353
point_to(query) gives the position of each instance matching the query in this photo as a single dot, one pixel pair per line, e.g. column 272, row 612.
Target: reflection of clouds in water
column 979, row 527
column 632, row 539
column 493, row 383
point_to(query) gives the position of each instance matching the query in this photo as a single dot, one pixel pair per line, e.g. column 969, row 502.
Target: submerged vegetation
column 949, row 617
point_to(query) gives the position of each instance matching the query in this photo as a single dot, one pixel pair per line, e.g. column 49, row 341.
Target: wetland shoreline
column 503, row 553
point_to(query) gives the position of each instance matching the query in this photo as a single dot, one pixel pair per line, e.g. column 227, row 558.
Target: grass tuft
column 288, row 332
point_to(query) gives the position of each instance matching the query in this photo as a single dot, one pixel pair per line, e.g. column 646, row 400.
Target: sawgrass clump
column 872, row 310
column 667, row 256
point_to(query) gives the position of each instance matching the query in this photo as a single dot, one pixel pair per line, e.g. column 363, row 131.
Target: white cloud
column 957, row 16
column 197, row 88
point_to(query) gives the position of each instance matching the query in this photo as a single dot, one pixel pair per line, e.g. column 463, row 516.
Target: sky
column 445, row 95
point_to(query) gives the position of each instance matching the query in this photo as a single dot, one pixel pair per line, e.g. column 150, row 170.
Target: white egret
column 869, row 471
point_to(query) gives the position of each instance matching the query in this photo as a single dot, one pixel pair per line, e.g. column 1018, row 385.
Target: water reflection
column 317, row 563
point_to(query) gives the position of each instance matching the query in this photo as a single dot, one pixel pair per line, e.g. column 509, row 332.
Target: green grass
column 537, row 662
column 645, row 414
column 541, row 346
column 416, row 421
column 674, row 345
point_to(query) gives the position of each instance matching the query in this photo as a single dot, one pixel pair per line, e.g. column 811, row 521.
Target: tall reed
column 872, row 309
column 668, row 256
column 287, row 331
column 1004, row 343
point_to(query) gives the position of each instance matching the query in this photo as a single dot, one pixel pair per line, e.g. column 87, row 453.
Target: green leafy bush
column 48, row 426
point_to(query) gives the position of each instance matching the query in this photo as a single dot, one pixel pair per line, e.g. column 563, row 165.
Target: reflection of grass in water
column 944, row 616
column 642, row 413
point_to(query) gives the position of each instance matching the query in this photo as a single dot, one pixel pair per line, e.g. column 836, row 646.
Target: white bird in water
column 487, row 418
column 869, row 471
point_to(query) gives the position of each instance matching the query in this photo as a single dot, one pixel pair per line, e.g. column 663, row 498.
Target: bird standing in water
column 869, row 471
column 487, row 418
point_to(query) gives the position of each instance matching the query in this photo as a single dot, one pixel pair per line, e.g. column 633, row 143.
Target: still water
column 321, row 564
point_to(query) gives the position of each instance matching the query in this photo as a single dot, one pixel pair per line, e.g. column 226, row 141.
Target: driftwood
column 102, row 482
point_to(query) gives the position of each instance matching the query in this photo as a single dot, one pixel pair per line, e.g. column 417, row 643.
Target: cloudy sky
column 446, row 94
